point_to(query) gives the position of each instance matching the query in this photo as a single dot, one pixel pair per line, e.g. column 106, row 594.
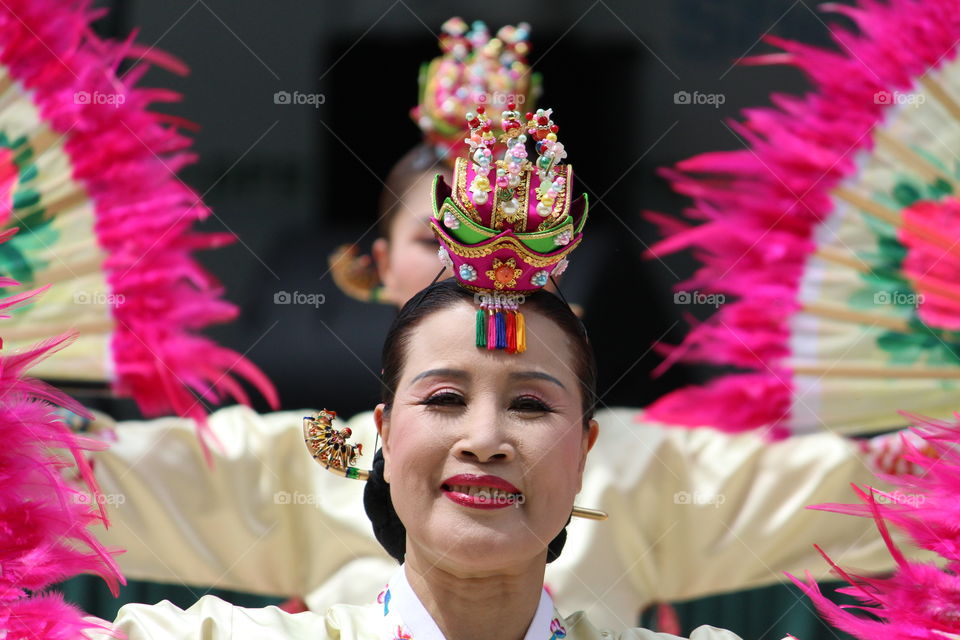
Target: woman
column 694, row 512
column 482, row 457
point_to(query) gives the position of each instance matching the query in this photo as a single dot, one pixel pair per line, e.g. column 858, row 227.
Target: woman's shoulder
column 211, row 618
column 578, row 627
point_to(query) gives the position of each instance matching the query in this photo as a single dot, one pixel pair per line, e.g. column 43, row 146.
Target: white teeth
column 483, row 493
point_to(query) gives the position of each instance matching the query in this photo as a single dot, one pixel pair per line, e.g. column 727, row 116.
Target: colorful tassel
column 511, row 332
column 501, row 330
column 521, row 333
column 491, row 331
column 481, row 328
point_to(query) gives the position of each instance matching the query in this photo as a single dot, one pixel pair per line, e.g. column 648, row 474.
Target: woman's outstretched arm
column 696, row 512
column 265, row 518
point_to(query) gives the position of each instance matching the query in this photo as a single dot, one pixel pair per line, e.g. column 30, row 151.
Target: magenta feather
column 759, row 207
column 919, row 601
column 126, row 156
column 45, row 520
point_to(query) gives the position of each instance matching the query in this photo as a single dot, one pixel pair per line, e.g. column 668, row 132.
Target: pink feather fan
column 920, row 601
column 45, row 517
column 829, row 235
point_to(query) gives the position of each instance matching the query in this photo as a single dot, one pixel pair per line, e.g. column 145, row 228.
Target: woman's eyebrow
column 535, row 375
column 447, row 373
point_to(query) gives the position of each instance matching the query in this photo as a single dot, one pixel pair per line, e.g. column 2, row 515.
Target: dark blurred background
column 294, row 181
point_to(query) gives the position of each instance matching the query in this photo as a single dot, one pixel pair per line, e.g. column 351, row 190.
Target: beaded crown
column 474, row 68
column 506, row 226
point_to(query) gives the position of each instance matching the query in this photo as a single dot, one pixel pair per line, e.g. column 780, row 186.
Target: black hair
column 387, row 527
column 416, row 161
column 446, row 293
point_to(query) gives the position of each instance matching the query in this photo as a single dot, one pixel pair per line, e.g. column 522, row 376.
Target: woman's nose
column 483, row 438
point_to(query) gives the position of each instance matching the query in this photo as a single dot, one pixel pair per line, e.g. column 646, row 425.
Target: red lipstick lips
column 481, row 492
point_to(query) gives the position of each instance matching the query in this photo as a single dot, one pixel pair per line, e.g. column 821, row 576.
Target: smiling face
column 484, row 450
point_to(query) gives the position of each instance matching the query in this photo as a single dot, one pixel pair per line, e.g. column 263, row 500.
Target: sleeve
column 700, row 633
column 695, row 512
column 580, row 627
column 214, row 619
column 263, row 519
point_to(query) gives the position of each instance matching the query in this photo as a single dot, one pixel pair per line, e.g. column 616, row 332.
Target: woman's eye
column 530, row 404
column 430, row 243
column 444, row 399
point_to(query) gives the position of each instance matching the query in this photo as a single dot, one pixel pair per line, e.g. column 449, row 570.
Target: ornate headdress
column 505, row 227
column 472, row 69
column 508, row 225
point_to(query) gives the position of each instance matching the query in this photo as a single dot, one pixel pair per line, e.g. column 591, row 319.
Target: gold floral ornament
column 504, row 273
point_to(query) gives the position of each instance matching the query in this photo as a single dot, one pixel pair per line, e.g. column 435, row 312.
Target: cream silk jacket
column 692, row 513
column 398, row 614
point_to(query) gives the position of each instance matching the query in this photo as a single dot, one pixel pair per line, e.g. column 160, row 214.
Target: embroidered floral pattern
column 384, row 599
column 887, row 285
column 539, row 278
column 557, row 630
column 468, row 273
column 395, row 627
column 450, row 221
column 504, row 273
column 444, row 257
column 560, row 268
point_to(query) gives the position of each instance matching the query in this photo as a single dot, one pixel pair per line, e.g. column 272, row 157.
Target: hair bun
column 389, row 531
